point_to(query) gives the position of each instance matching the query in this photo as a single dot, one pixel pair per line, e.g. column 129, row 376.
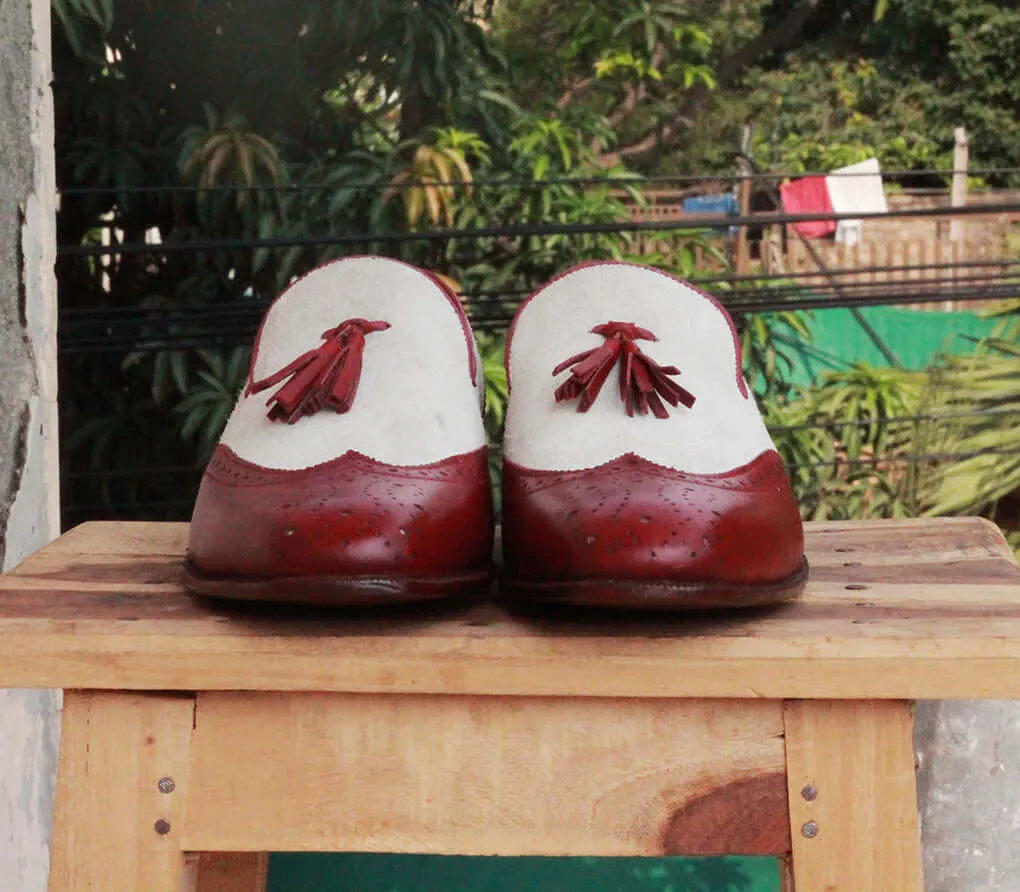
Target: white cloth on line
column 859, row 194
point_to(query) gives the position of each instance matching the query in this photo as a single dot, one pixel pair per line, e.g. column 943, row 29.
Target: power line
column 243, row 329
column 522, row 230
column 625, row 180
column 108, row 316
column 905, row 459
column 871, row 463
column 893, row 420
column 107, row 319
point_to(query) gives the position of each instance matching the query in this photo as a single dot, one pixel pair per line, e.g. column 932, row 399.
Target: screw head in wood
column 162, row 826
column 166, row 785
column 810, row 829
column 809, row 792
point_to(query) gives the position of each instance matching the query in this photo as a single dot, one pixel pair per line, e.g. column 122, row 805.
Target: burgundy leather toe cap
column 352, row 516
column 631, row 519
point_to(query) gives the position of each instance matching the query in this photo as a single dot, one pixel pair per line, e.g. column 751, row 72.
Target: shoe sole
column 657, row 595
column 336, row 591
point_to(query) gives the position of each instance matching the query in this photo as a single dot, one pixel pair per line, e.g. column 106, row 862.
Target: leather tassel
column 324, row 378
column 644, row 384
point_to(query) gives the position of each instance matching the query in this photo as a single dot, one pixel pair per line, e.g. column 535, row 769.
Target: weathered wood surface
column 894, row 609
column 487, row 775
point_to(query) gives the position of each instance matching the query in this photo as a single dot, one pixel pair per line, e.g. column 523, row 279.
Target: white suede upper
column 415, row 404
column 722, row 431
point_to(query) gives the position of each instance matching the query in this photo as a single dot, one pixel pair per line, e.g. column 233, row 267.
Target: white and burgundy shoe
column 354, row 467
column 638, row 471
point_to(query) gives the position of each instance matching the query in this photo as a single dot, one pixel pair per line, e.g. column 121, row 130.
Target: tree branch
column 725, row 73
column 573, row 91
column 632, row 96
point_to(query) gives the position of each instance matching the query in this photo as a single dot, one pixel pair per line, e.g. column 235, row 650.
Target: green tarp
column 420, row 873
column 914, row 337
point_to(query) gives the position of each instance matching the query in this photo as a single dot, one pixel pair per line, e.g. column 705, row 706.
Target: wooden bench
column 192, row 727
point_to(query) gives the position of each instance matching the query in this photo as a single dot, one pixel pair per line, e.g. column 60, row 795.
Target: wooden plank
column 487, row 775
column 122, row 538
column 894, row 609
column 232, row 872
column 114, row 553
column 891, row 659
column 115, row 748
column 853, row 801
column 996, row 596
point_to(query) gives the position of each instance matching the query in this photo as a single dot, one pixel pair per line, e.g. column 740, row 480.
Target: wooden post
column 743, row 258
column 959, row 193
column 853, row 802
column 121, row 794
column 743, row 253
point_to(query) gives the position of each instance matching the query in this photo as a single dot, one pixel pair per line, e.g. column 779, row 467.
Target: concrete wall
column 967, row 787
column 29, row 507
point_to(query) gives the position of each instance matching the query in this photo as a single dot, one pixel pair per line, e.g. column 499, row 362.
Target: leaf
column 71, row 26
column 434, row 203
column 415, row 204
column 179, row 370
column 541, row 167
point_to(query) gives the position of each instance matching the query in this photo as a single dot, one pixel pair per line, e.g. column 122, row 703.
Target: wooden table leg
column 115, row 826
column 853, row 799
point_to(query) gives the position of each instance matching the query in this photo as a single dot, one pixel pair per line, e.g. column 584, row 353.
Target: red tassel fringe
column 324, row 378
column 644, row 384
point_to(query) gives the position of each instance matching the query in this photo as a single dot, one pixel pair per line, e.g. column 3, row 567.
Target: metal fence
column 106, row 338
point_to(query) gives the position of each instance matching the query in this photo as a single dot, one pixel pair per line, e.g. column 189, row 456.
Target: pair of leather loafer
column 637, row 469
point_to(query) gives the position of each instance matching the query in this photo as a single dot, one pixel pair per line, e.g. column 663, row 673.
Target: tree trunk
column 416, row 113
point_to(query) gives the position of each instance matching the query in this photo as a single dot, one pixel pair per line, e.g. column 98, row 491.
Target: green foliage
column 766, row 342
column 896, row 86
column 550, row 154
column 225, row 152
column 821, row 113
column 887, row 443
column 844, row 446
column 205, row 405
column 428, row 185
column 983, row 391
column 626, row 66
column 389, row 115
column 492, row 350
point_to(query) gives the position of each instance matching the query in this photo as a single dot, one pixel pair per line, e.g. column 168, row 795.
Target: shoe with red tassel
column 638, row 471
column 354, row 468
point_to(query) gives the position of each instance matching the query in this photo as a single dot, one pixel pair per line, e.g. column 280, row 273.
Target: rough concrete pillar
column 968, row 788
column 29, row 506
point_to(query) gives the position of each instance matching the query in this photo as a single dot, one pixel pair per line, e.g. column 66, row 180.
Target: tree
column 821, row 80
column 287, row 120
column 359, row 119
column 648, row 70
